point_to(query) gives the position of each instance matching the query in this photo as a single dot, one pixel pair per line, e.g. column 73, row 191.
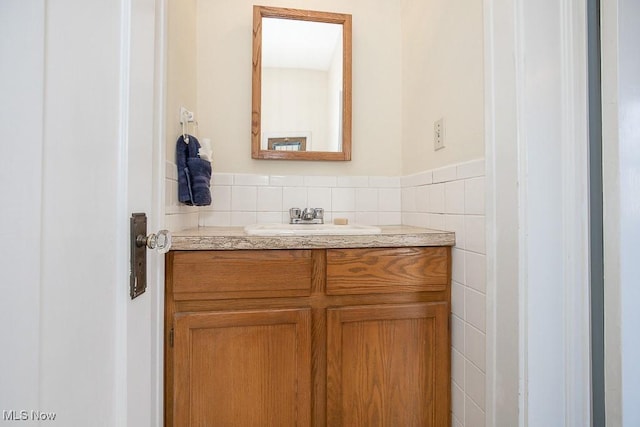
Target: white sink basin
column 307, row 229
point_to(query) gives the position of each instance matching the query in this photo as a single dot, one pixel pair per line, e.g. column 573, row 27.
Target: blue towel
column 194, row 173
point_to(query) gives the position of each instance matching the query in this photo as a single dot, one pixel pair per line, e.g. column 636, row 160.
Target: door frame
column 511, row 192
column 157, row 222
column 537, row 213
column 620, row 116
column 159, row 204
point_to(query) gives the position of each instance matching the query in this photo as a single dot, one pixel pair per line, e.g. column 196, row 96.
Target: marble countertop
column 234, row 238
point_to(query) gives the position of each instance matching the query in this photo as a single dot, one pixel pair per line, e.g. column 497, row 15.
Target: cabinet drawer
column 387, row 270
column 241, row 274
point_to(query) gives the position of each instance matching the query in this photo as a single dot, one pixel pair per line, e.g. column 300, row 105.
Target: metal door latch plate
column 138, row 278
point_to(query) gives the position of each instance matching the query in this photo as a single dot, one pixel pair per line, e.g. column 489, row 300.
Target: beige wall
column 413, row 62
column 181, row 68
column 224, row 86
column 442, row 72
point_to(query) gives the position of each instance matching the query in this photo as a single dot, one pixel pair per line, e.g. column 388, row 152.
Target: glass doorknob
column 160, row 241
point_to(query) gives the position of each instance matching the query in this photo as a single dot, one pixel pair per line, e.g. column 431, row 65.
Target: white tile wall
column 320, row 181
column 243, row 218
column 294, row 197
column 244, row 198
column 215, row 219
column 422, row 198
column 422, row 178
column 445, row 174
column 389, row 200
column 450, row 198
column 222, row 195
column 474, row 344
column 389, row 218
column 241, row 199
column 474, row 383
column 457, row 224
column 343, row 199
column 454, row 200
column 353, row 181
column 250, row 179
column 436, row 198
column 384, row 181
column 473, row 415
column 287, row 181
column 454, row 197
column 269, row 199
column 177, row 215
column 474, row 271
column 458, row 299
column 366, row 199
column 319, row 197
column 474, row 196
column 222, row 179
column 457, row 404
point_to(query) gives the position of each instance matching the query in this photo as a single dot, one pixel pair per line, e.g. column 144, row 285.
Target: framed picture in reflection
column 293, row 143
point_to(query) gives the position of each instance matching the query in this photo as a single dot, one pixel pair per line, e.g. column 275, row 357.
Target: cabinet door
column 388, row 365
column 242, row 368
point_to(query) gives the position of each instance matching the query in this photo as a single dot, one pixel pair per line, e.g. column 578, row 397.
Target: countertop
column 234, row 238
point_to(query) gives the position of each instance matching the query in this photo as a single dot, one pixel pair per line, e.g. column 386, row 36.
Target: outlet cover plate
column 438, row 134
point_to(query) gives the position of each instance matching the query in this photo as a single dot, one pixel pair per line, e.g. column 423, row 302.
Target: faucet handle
column 294, row 213
column 308, row 214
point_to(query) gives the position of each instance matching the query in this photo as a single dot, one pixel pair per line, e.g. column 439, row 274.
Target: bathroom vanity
column 335, row 330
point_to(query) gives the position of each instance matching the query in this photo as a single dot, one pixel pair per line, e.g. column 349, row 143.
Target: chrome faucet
column 306, row 216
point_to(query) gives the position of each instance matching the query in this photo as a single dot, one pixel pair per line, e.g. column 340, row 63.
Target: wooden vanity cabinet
column 322, row 337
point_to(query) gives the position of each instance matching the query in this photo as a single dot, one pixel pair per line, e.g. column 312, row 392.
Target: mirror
column 301, row 102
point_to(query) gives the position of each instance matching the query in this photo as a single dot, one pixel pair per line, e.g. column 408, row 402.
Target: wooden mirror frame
column 260, row 12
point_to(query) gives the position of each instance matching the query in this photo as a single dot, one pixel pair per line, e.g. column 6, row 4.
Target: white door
column 143, row 317
column 79, row 154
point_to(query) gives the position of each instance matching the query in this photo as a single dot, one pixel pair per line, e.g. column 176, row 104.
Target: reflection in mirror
column 301, row 85
column 302, row 82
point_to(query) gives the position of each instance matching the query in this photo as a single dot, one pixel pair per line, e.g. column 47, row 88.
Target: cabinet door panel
column 388, row 365
column 244, row 368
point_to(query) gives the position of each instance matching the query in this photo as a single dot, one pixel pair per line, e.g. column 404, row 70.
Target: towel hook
column 185, row 134
column 186, row 117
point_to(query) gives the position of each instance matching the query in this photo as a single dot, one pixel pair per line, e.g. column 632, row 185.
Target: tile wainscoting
column 177, row 216
column 250, row 199
column 450, row 198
